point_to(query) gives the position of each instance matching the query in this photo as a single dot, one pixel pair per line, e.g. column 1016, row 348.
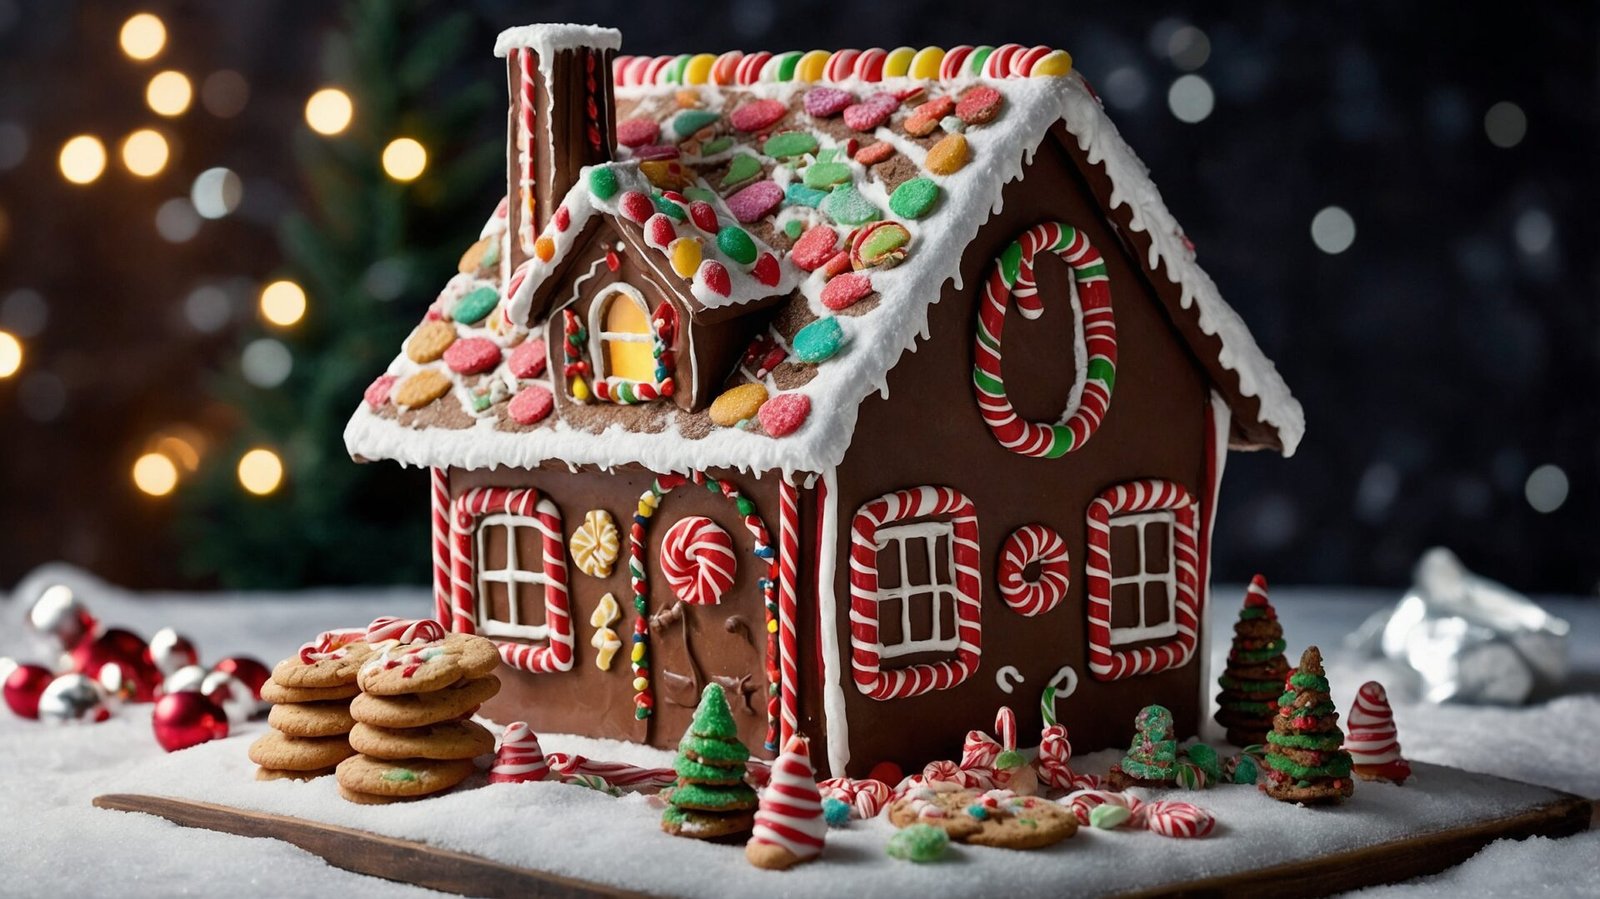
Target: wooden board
column 470, row 875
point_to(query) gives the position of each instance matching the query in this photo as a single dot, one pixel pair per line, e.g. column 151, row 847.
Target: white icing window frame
column 598, row 337
column 513, row 576
column 940, row 587
column 1122, row 636
column 1121, row 502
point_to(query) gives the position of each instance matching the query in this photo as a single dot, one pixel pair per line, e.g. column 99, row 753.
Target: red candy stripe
column 869, row 65
column 520, row 758
column 954, row 61
column 556, row 654
column 749, row 69
column 726, row 69
column 439, row 508
column 1027, row 545
column 697, row 559
column 998, row 65
column 1105, row 662
column 841, row 65
column 404, row 630
column 1184, row 820
column 788, row 608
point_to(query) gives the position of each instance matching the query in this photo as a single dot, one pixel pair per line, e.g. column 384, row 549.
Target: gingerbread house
column 880, row 388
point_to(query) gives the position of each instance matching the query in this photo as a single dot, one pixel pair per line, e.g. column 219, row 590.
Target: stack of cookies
column 310, row 718
column 413, row 730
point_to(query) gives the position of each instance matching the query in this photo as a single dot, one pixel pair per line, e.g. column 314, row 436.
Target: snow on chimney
column 561, row 118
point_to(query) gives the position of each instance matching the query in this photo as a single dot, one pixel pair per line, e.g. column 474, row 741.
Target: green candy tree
column 711, row 798
column 1306, row 761
column 1256, row 667
column 1152, row 757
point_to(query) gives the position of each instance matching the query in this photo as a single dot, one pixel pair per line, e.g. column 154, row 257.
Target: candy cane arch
column 788, row 609
column 556, row 654
column 639, row 657
column 1027, row 545
column 865, row 647
column 1013, row 276
column 1105, row 661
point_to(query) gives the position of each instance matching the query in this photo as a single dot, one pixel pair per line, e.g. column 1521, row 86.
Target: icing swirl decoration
column 595, row 544
column 1013, row 277
column 1028, row 545
column 697, row 560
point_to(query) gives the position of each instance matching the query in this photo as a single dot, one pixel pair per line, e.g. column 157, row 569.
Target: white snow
column 49, row 775
column 545, row 39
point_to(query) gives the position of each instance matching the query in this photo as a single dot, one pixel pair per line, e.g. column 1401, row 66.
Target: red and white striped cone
column 1373, row 742
column 520, row 758
column 789, row 827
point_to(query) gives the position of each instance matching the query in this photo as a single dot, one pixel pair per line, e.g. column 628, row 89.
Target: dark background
column 1448, row 359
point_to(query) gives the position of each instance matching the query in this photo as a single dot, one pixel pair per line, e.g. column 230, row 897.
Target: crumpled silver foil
column 1465, row 638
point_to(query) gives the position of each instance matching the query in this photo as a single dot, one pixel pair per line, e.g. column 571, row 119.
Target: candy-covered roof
column 835, row 182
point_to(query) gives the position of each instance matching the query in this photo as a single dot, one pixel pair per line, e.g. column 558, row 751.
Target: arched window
column 621, row 325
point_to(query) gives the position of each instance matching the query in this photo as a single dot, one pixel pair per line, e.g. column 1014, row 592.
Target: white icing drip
column 548, row 38
column 834, row 714
column 1221, row 416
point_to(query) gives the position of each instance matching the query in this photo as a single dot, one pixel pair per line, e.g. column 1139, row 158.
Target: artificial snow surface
column 49, row 775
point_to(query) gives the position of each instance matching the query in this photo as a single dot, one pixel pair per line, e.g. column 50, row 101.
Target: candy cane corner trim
column 866, row 649
column 1023, row 547
column 1106, row 662
column 466, row 512
column 1012, row 278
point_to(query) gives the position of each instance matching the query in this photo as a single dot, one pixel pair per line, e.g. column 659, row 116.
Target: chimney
column 561, row 118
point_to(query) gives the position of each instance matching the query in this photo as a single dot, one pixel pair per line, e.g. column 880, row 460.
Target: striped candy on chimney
column 560, row 119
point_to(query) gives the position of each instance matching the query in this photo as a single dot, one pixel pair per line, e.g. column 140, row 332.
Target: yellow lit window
column 625, row 337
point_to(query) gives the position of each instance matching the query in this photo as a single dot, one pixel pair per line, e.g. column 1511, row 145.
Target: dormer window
column 622, row 328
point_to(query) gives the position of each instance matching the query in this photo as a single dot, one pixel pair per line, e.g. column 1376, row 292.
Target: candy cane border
column 1105, row 662
column 1012, row 276
column 474, row 504
column 865, row 648
column 788, row 609
column 1024, row 546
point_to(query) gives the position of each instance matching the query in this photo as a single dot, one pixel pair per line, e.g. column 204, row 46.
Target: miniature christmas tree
column 1306, row 761
column 1152, row 759
column 1255, row 670
column 1374, row 744
column 789, row 826
column 711, row 799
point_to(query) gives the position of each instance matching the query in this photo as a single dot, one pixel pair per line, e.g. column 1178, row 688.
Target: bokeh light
column 13, row 145
column 155, row 474
column 145, row 152
column 10, row 354
column 1506, row 124
column 260, row 471
column 283, row 303
column 266, row 363
column 176, row 220
column 216, row 192
column 329, row 111
column 224, row 93
column 1191, row 99
column 82, row 159
column 142, row 36
column 169, row 93
column 24, row 312
column 1546, row 488
column 1333, row 230
column 1188, row 48
column 404, row 159
column 207, row 309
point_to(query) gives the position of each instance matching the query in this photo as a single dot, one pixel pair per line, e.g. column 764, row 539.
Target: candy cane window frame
column 1134, row 504
column 527, row 508
column 869, row 536
column 941, row 583
column 513, row 576
column 1143, row 577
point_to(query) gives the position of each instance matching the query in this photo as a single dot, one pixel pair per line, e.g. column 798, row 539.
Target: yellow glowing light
column 82, row 159
column 260, row 471
column 155, row 474
column 169, row 93
column 404, row 159
column 10, row 355
column 329, row 111
column 180, row 450
column 283, row 303
column 145, row 152
column 143, row 36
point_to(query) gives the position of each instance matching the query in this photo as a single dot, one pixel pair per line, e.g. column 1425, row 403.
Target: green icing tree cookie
column 1305, row 759
column 711, row 799
column 1152, row 758
column 1255, row 670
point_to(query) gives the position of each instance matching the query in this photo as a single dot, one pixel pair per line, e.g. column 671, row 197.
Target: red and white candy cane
column 1105, row 661
column 1029, row 545
column 540, row 514
column 520, row 758
column 866, row 798
column 1005, row 728
column 1184, row 820
column 527, row 103
column 331, row 644
column 618, row 774
column 1085, row 801
column 1055, row 762
column 439, row 509
column 1013, row 276
column 788, row 609
column 866, row 649
column 979, row 750
column 404, row 630
column 697, row 560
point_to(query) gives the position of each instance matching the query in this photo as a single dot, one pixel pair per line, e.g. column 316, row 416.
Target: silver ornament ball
column 59, row 620
column 186, row 679
column 74, row 699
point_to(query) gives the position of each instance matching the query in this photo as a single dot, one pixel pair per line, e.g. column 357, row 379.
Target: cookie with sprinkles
column 998, row 818
column 400, row 668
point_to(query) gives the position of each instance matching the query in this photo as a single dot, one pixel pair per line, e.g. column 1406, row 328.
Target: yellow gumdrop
column 1055, row 63
column 580, row 390
column 926, row 63
column 811, row 66
column 772, row 627
column 640, row 684
column 898, row 62
column 544, row 248
column 638, row 652
column 685, row 253
column 698, row 69
column 737, row 404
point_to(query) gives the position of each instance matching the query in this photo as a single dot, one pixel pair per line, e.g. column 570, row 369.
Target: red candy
column 979, row 105
column 822, row 102
column 874, row 153
column 755, row 202
column 871, row 112
column 528, row 360
column 563, row 218
column 937, row 108
column 766, row 270
column 472, row 355
column 378, row 392
column 814, row 248
column 638, row 132
column 635, row 206
column 784, row 413
column 716, row 278
column 705, row 218
column 838, row 265
column 845, row 291
column 658, row 231
column 758, row 115
column 654, row 152
column 531, row 405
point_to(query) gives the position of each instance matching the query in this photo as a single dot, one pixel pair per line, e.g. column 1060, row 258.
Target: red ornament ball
column 23, row 686
column 888, row 772
column 130, row 653
column 249, row 672
column 60, row 620
column 187, row 719
column 170, row 650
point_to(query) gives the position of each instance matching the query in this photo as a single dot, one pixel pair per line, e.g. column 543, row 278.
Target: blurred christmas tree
column 370, row 244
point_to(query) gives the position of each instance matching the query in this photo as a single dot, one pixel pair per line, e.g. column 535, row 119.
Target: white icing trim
column 835, row 717
column 547, row 38
column 1221, row 419
column 1122, row 636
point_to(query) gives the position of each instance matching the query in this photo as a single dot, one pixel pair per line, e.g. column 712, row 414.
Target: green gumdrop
column 797, row 194
column 1246, row 771
column 818, row 341
column 1108, row 816
column 713, row 718
column 716, row 145
column 475, row 306
column 915, row 198
column 603, row 183
column 692, row 120
column 668, row 208
column 847, row 206
column 918, row 843
column 741, row 169
column 736, row 244
column 1009, row 759
column 1205, row 758
column 823, row 175
column 793, row 228
column 789, row 144
column 883, row 240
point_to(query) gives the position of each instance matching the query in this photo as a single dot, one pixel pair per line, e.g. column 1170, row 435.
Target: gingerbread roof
column 775, row 159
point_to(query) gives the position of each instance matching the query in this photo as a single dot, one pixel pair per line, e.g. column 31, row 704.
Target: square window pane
column 889, row 632
column 1125, row 605
column 530, row 551
column 889, row 566
column 497, row 601
column 494, row 547
column 1157, row 603
column 947, row 617
column 1158, row 547
column 922, row 622
column 917, row 561
column 1124, row 551
column 530, row 604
